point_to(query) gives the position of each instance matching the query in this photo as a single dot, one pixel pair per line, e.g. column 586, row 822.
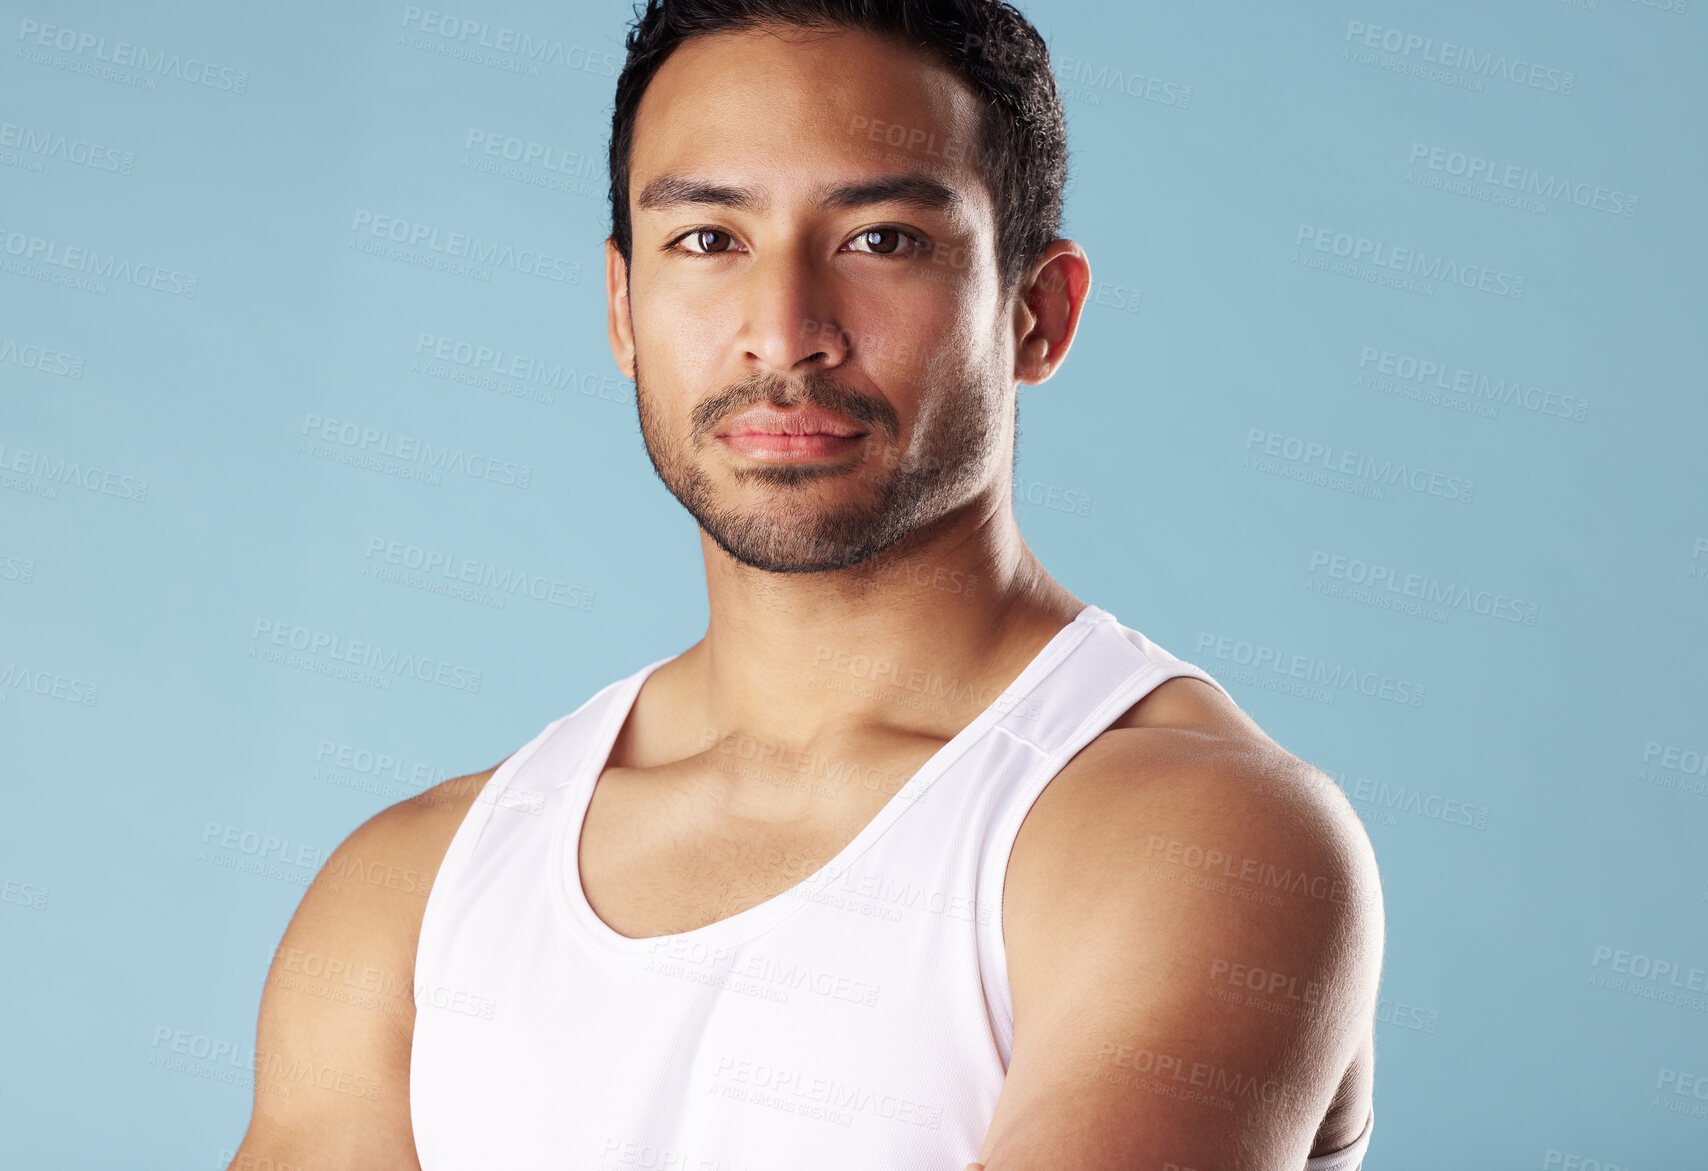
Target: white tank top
column 859, row 1020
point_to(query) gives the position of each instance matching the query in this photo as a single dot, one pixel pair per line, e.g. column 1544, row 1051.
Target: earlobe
column 1038, row 356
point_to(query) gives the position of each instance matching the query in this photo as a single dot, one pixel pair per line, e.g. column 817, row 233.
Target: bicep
column 1197, row 989
column 337, row 1014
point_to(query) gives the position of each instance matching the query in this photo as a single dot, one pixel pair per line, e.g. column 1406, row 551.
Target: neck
column 920, row 639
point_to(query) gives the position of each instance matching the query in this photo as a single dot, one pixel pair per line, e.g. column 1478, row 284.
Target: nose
column 789, row 316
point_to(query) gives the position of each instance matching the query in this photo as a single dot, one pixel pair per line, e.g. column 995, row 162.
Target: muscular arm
column 338, row 1011
column 1200, row 951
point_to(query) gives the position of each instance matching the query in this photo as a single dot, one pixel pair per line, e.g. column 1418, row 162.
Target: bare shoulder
column 1188, row 751
column 1189, row 791
column 1188, row 898
column 337, row 1012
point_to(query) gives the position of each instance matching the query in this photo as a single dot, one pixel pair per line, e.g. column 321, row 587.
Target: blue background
column 1559, row 670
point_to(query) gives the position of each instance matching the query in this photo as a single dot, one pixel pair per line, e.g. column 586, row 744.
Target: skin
column 795, row 302
column 932, row 349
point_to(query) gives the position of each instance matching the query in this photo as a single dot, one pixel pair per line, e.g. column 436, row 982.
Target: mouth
column 767, row 433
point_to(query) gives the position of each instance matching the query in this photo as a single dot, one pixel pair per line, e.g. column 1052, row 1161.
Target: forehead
column 787, row 108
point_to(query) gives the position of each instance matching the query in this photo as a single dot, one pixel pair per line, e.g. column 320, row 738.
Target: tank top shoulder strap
column 570, row 735
column 1110, row 664
column 532, row 780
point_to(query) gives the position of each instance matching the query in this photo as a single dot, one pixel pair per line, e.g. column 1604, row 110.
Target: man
column 915, row 859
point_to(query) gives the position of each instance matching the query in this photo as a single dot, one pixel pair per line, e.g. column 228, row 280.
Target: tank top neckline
column 564, row 861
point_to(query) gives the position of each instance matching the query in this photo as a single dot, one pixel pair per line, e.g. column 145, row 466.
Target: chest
column 852, row 1033
column 666, row 852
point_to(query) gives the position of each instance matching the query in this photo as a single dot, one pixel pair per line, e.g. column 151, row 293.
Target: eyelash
column 920, row 244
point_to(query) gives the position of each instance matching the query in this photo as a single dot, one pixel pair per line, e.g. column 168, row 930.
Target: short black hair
column 1023, row 152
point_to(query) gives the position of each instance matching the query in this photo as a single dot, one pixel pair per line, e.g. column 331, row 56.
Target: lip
column 774, row 448
column 797, row 421
column 800, row 433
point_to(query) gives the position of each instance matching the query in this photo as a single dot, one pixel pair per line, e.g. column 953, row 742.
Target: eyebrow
column 912, row 190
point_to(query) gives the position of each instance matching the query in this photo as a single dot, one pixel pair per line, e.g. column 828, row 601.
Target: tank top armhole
column 1349, row 1157
column 1005, row 830
column 1176, row 668
column 463, row 842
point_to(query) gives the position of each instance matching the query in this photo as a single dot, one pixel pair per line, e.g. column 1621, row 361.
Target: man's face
column 810, row 231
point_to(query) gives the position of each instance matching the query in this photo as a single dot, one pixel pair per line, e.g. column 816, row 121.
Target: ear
column 1046, row 310
column 619, row 321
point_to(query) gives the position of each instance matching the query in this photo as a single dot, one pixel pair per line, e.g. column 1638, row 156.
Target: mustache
column 813, row 389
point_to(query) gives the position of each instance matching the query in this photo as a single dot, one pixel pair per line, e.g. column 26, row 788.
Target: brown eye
column 706, row 239
column 886, row 242
column 876, row 237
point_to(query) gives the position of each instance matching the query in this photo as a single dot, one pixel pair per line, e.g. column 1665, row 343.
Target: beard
column 791, row 532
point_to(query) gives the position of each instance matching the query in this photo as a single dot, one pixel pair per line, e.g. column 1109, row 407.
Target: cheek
column 679, row 335
column 913, row 338
column 961, row 347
